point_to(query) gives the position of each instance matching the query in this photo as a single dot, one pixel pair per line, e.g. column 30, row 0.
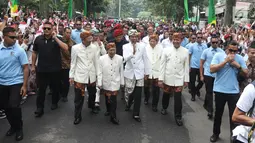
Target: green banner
column 211, row 15
column 70, row 9
column 186, row 12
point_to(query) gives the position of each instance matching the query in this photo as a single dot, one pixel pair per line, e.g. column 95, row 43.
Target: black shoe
column 154, row 109
column 198, row 94
column 115, row 121
column 77, row 121
column 107, row 113
column 39, row 113
column 137, row 118
column 193, row 98
column 98, row 108
column 163, row 112
column 64, row 99
column 214, row 138
column 19, row 135
column 210, row 115
column 94, row 111
column 145, row 102
column 54, row 106
column 127, row 108
column 10, row 132
column 179, row 122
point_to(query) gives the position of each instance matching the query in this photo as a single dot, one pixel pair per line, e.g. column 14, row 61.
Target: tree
column 228, row 14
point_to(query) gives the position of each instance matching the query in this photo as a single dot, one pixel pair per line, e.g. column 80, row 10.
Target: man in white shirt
column 154, row 52
column 83, row 72
column 110, row 78
column 166, row 43
column 150, row 31
column 136, row 69
column 174, row 74
column 100, row 51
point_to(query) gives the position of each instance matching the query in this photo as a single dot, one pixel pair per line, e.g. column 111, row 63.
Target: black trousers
column 177, row 103
column 79, row 99
column 220, row 101
column 111, row 105
column 208, row 103
column 51, row 79
column 155, row 92
column 194, row 74
column 136, row 97
column 64, row 82
column 10, row 101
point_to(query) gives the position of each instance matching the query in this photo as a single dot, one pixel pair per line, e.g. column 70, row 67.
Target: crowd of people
column 111, row 59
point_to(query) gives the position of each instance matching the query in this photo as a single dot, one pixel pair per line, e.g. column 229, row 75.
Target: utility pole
column 119, row 9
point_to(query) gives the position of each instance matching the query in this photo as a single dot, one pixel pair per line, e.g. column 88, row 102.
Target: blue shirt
column 189, row 45
column 185, row 42
column 76, row 35
column 207, row 56
column 226, row 78
column 196, row 51
column 11, row 61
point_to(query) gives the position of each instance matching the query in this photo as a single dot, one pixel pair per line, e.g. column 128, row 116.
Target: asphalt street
column 57, row 126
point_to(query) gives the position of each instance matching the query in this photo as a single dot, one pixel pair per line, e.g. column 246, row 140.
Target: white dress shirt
column 174, row 66
column 100, row 49
column 137, row 65
column 154, row 55
column 166, row 43
column 146, row 40
column 84, row 63
column 110, row 73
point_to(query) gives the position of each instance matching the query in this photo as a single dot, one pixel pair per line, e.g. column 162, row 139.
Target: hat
column 227, row 36
column 110, row 45
column 85, row 34
column 117, row 26
column 94, row 31
column 117, row 32
column 132, row 32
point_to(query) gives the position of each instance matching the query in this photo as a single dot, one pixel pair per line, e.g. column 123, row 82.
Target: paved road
column 57, row 126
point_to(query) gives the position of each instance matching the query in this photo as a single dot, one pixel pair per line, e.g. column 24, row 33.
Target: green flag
column 70, row 9
column 211, row 15
column 85, row 8
column 186, row 12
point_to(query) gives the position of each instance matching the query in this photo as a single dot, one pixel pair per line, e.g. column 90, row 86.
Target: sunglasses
column 193, row 38
column 46, row 28
column 231, row 50
column 78, row 24
column 214, row 42
column 13, row 37
column 199, row 37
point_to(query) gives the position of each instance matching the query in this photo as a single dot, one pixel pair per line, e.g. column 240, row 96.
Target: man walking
column 13, row 81
column 174, row 74
column 110, row 78
column 47, row 49
column 137, row 69
column 227, row 65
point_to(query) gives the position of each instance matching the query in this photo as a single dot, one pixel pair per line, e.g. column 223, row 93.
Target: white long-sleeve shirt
column 137, row 65
column 154, row 55
column 110, row 72
column 100, row 49
column 174, row 66
column 84, row 63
